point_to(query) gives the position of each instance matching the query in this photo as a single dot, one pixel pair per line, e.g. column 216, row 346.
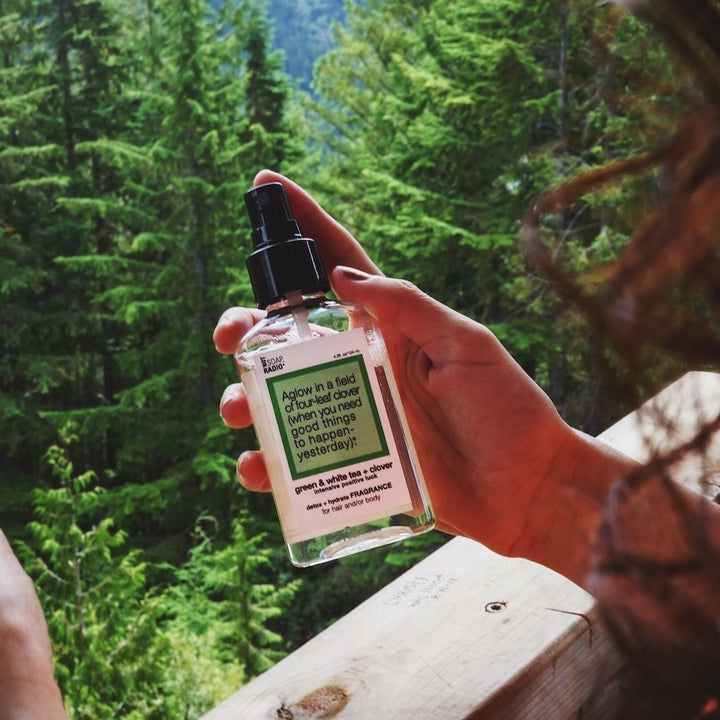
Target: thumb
column 399, row 304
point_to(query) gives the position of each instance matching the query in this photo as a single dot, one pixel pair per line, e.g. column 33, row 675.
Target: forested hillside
column 129, row 132
column 303, row 30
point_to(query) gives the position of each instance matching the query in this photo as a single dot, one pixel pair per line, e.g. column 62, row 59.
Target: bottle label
column 340, row 453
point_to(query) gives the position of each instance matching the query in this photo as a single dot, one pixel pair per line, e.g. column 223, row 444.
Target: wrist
column 567, row 510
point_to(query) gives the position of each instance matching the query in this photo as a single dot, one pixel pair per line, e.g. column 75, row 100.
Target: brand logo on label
column 272, row 364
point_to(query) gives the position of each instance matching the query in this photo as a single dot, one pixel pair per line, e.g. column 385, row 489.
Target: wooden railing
column 467, row 634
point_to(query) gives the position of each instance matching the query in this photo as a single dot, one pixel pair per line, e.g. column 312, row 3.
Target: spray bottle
column 325, row 405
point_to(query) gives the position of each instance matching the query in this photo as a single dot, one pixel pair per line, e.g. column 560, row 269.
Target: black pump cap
column 283, row 260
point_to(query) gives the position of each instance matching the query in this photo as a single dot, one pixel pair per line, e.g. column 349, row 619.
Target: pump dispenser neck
column 295, row 299
column 283, row 263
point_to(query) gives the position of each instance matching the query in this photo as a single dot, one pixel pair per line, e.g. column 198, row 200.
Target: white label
column 339, row 454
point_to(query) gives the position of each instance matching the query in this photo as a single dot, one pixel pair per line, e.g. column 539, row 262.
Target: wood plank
column 671, row 418
column 468, row 634
column 443, row 641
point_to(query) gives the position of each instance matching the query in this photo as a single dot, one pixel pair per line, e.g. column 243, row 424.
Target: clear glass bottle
column 325, row 406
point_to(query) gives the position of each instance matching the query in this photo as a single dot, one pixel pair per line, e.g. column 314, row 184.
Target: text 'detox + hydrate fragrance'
column 325, row 406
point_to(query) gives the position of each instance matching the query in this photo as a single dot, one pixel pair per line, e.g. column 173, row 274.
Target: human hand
column 498, row 460
column 337, row 247
column 27, row 682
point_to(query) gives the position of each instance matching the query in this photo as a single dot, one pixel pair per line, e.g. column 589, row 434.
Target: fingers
column 8, row 561
column 16, row 583
column 231, row 327
column 234, row 407
column 337, row 246
column 252, row 472
column 25, row 651
column 235, row 412
column 403, row 307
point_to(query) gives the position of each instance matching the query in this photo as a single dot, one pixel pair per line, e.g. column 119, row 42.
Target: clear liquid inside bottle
column 339, row 511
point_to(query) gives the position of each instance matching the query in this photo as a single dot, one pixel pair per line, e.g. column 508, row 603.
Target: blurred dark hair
column 663, row 291
column 659, row 299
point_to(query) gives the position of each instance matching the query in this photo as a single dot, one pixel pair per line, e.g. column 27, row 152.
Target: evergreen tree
column 21, row 270
column 431, row 110
column 266, row 128
column 107, row 652
column 122, row 238
column 611, row 71
column 229, row 591
column 64, row 70
column 443, row 124
column 121, row 227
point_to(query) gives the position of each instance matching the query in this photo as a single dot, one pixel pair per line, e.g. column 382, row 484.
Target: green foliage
column 126, row 141
column 102, row 622
column 225, row 591
column 123, row 650
column 429, row 109
column 121, row 197
column 435, row 116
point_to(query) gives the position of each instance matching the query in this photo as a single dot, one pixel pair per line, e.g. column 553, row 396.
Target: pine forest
column 129, row 132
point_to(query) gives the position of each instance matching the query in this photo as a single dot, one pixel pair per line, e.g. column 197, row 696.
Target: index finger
column 337, row 246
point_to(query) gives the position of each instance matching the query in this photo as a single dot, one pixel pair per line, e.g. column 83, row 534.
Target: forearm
column 27, row 684
column 34, row 702
column 656, row 574
column 649, row 550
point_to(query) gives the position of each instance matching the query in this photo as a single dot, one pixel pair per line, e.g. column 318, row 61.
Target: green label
column 327, row 416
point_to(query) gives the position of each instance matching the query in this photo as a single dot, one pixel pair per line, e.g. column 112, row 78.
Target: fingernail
column 240, row 461
column 352, row 274
column 229, row 395
column 238, row 466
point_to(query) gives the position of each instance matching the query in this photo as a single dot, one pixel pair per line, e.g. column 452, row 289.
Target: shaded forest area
column 129, row 131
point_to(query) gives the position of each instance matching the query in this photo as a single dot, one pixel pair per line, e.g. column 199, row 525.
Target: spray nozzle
column 270, row 214
column 283, row 260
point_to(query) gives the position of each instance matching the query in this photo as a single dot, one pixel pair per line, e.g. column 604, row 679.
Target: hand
column 27, row 682
column 498, row 460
